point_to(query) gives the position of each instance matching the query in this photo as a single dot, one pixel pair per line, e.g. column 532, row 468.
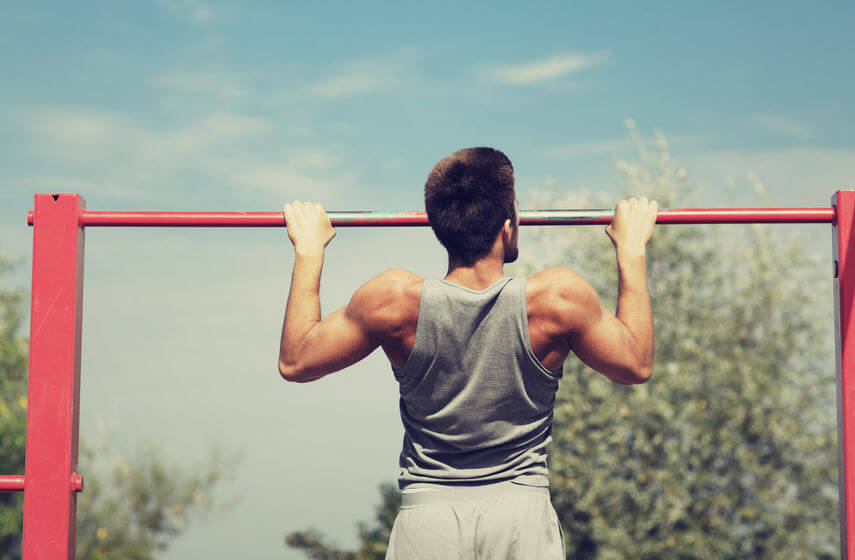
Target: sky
column 204, row 105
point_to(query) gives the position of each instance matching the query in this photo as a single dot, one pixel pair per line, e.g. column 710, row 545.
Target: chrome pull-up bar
column 370, row 218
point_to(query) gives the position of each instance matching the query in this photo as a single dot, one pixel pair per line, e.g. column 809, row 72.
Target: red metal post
column 53, row 404
column 844, row 295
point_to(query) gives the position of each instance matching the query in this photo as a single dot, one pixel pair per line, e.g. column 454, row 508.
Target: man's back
column 563, row 313
column 476, row 403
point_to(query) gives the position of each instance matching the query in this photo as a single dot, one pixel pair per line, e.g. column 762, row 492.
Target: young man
column 478, row 356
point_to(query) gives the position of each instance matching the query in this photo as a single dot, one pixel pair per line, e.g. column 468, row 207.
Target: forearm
column 633, row 307
column 303, row 310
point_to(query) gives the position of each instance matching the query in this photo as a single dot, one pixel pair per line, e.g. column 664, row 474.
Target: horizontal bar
column 813, row 215
column 11, row 483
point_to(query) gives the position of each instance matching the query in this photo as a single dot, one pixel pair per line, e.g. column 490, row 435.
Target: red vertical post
column 842, row 237
column 53, row 401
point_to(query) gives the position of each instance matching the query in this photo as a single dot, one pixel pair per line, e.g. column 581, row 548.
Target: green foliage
column 134, row 504
column 130, row 508
column 374, row 537
column 729, row 451
column 14, row 350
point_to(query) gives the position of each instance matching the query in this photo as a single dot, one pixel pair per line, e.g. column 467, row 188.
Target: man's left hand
column 309, row 228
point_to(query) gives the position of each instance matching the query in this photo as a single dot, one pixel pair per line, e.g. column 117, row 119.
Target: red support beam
column 813, row 215
column 53, row 403
column 843, row 234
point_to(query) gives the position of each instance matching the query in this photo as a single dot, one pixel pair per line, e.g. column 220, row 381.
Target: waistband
column 462, row 493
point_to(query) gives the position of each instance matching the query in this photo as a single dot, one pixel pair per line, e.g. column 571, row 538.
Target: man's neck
column 479, row 275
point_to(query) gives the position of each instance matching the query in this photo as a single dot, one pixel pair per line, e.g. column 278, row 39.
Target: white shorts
column 499, row 521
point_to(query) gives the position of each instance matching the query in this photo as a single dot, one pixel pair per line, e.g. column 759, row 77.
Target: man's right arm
column 618, row 346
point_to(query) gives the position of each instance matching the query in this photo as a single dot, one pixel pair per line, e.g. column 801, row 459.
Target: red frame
column 53, row 392
column 844, row 295
column 51, row 483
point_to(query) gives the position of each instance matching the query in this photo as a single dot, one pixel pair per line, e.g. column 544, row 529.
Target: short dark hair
column 468, row 196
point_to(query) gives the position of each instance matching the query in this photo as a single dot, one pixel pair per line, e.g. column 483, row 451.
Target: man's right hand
column 632, row 224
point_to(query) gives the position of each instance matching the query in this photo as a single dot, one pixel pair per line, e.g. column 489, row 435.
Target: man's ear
column 507, row 231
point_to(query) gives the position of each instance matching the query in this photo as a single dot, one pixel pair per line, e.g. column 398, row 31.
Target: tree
column 136, row 502
column 729, row 451
column 374, row 537
column 130, row 508
column 13, row 405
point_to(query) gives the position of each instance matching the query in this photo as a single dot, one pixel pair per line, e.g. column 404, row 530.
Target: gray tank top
column 476, row 403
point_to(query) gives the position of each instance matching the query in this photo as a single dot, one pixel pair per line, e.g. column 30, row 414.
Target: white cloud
column 287, row 181
column 197, row 12
column 799, row 175
column 586, row 149
column 84, row 136
column 349, row 84
column 347, row 80
column 544, row 69
column 781, row 126
column 214, row 84
column 357, row 78
column 391, row 70
column 122, row 157
column 214, row 130
column 298, row 174
column 347, row 129
column 294, row 84
column 612, row 147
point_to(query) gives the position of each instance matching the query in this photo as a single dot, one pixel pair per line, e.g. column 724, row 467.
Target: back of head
column 468, row 196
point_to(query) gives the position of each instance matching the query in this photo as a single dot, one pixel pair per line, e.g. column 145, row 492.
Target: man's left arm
column 311, row 348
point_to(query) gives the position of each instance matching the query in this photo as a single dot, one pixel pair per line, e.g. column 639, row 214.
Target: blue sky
column 195, row 105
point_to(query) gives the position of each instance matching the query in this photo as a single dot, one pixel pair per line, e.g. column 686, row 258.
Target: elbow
column 643, row 375
column 633, row 376
column 289, row 372
column 296, row 374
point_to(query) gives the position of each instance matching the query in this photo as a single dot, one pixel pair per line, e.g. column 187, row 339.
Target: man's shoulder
column 558, row 281
column 555, row 291
column 395, row 283
column 390, row 299
column 398, row 276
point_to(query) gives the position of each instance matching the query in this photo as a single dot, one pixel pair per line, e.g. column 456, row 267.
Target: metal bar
column 810, row 215
column 11, row 483
column 53, row 401
column 844, row 332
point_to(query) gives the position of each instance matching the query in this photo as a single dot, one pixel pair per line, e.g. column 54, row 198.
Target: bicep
column 602, row 341
column 340, row 340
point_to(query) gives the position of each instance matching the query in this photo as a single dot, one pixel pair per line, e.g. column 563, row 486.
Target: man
column 477, row 355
